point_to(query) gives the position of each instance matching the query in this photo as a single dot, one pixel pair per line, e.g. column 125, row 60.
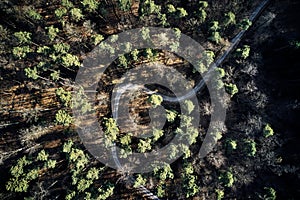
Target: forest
column 149, row 99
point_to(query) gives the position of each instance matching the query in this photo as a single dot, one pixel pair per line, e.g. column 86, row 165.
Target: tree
column 52, row 32
column 144, row 145
column 31, row 73
column 171, row 115
column 125, row 5
column 229, row 19
column 250, row 147
column 90, row 5
column 155, row 100
column 245, row 24
column 182, row 12
column 231, row 89
column 243, row 52
column 270, row 193
column 139, row 181
column 227, row 179
column 268, row 131
column 23, row 37
column 42, row 156
column 62, row 117
column 188, row 106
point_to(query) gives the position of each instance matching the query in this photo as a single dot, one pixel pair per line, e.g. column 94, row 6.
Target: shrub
column 83, row 184
column 149, row 7
column 163, row 173
column 268, row 131
column 135, row 54
column 126, row 139
column 93, row 174
column 67, row 4
column 111, row 130
column 43, row 50
column 55, row 75
column 61, row 48
column 190, row 185
column 214, row 26
column 67, row 146
column 203, row 4
column 51, row 164
column 123, row 61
